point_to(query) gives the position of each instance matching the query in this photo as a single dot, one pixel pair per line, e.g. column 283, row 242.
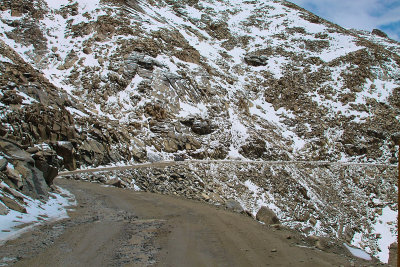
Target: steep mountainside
column 207, row 79
column 96, row 82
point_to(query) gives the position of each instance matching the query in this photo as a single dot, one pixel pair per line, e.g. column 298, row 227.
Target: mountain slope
column 213, row 79
column 111, row 81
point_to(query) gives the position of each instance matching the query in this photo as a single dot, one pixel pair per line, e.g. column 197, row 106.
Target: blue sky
column 358, row 14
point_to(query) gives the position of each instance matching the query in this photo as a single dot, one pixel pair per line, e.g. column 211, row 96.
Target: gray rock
column 33, row 182
column 202, row 127
column 267, row 216
column 114, row 182
column 66, row 150
column 14, row 152
column 14, row 176
column 379, row 33
column 32, row 150
column 205, row 196
column 3, row 164
column 93, row 146
column 12, row 204
column 3, row 209
column 24, row 176
column 143, row 61
column 256, row 60
column 49, row 172
column 233, row 205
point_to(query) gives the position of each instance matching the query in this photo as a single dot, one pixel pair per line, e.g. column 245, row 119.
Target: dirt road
column 170, row 163
column 117, row 227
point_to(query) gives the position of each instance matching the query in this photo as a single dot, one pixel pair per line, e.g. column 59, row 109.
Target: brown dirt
column 117, row 227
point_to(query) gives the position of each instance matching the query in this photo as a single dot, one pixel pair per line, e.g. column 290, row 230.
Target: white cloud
column 358, row 14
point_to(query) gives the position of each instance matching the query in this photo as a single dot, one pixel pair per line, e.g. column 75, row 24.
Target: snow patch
column 386, row 228
column 57, row 4
column 74, row 111
column 358, row 253
column 190, row 110
column 55, row 208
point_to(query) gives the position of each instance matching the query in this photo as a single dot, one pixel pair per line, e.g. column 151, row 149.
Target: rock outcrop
column 379, row 33
column 30, row 175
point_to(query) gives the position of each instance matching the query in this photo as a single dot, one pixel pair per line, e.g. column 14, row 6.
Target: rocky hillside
column 140, row 80
column 97, row 82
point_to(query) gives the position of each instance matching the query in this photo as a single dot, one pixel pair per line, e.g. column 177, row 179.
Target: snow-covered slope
column 108, row 81
column 257, row 79
column 15, row 223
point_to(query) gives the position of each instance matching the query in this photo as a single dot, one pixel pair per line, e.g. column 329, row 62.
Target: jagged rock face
column 263, row 79
column 19, row 171
column 35, row 112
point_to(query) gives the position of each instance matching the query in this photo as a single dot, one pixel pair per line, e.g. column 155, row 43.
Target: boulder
column 170, row 145
column 143, row 61
column 379, row 33
column 23, row 175
column 14, row 176
column 256, row 60
column 49, row 172
column 233, row 205
column 93, row 146
column 3, row 209
column 12, row 204
column 33, row 182
column 267, row 216
column 179, row 158
column 93, row 152
column 87, row 50
column 253, row 148
column 205, row 196
column 32, row 150
column 3, row 164
column 153, row 157
column 114, row 182
column 14, row 151
column 202, row 127
column 138, row 154
column 66, row 150
column 46, row 161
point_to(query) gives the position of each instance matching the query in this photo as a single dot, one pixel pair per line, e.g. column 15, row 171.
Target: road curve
column 169, row 163
column 119, row 227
